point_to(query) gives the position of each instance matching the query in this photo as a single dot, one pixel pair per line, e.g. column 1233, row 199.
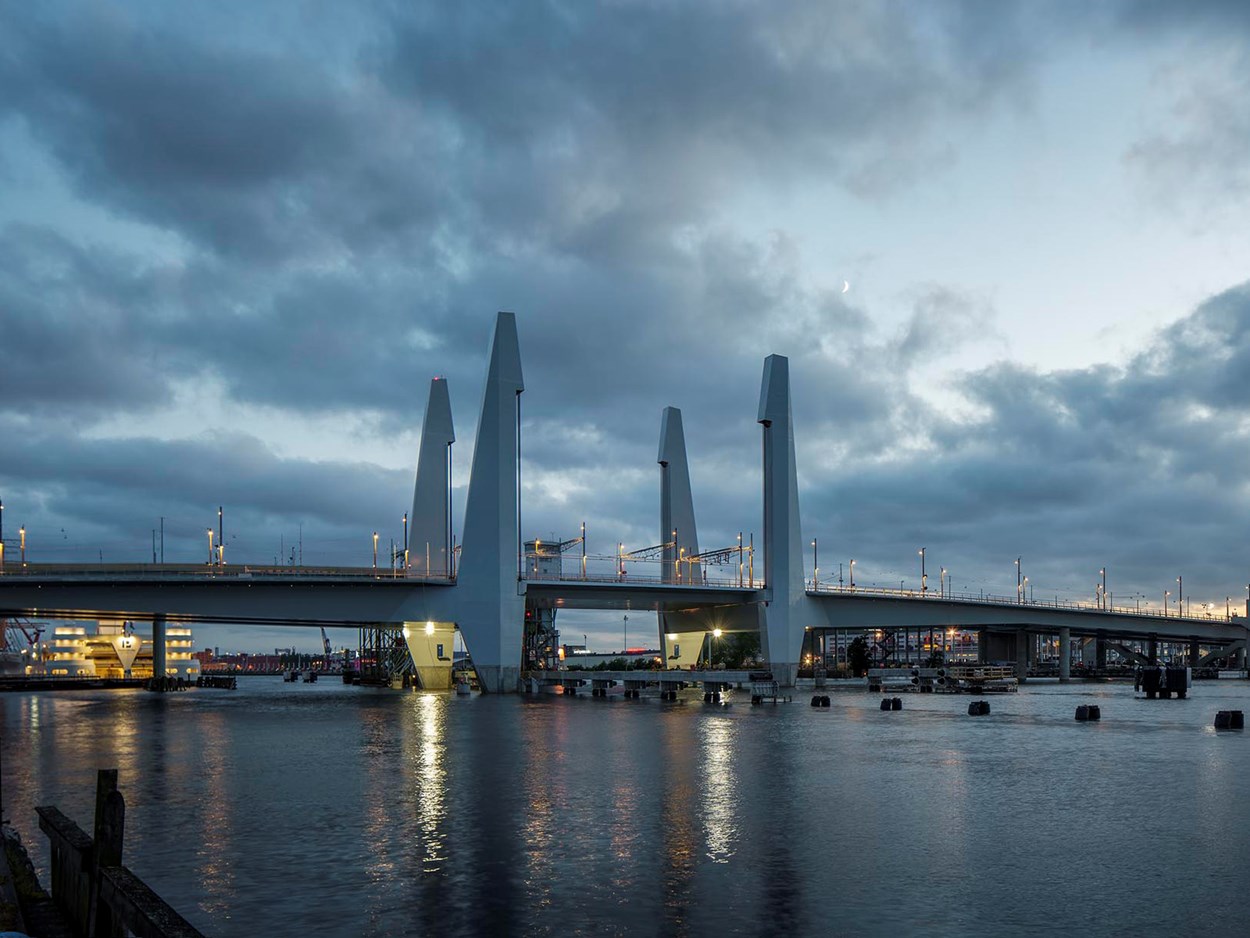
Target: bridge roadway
column 351, row 596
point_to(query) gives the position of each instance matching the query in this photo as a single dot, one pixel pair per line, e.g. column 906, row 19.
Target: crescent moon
column 846, row 285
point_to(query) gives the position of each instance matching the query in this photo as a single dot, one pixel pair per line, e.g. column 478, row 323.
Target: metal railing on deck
column 992, row 600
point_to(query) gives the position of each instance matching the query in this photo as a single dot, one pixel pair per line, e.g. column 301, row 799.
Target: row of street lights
column 21, row 535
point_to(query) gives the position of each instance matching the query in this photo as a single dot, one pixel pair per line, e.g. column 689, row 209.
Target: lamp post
column 942, row 583
column 1180, row 597
column 1167, row 598
column 853, row 583
column 375, row 551
column 1019, row 588
column 210, row 546
column 21, row 533
column 1103, row 572
column 221, row 535
column 406, row 544
column 924, row 577
column 815, row 565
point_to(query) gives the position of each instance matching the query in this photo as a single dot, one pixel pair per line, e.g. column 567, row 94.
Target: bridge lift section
column 544, row 560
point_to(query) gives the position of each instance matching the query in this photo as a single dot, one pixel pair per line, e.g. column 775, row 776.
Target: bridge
column 483, row 586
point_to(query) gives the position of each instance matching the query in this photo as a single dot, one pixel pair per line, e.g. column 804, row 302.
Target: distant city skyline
column 1005, row 247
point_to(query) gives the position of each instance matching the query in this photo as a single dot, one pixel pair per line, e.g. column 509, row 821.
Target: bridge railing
column 993, row 600
column 628, row 577
column 205, row 571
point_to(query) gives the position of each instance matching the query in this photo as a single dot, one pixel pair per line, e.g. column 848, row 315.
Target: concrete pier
column 160, row 663
column 1065, row 655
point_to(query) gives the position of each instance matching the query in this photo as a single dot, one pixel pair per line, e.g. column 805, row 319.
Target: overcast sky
column 238, row 239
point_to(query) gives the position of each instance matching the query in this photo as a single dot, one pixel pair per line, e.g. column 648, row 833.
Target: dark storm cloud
column 1140, row 468
column 352, row 218
column 77, row 495
column 246, row 153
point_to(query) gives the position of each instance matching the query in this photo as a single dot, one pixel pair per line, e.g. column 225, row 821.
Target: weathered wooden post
column 110, row 825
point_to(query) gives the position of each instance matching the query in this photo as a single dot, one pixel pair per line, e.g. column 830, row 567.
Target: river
column 301, row 809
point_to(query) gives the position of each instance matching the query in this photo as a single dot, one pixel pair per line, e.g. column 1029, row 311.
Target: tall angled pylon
column 429, row 547
column 781, row 638
column 677, row 524
column 490, row 598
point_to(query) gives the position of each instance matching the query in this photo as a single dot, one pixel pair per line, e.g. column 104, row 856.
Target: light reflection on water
column 292, row 809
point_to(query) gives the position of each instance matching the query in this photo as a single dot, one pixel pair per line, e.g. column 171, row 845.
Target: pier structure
column 482, row 588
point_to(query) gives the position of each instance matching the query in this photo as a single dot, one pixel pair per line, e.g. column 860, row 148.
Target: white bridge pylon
column 486, row 595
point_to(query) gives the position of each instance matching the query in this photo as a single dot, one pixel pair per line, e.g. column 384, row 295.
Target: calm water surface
column 321, row 809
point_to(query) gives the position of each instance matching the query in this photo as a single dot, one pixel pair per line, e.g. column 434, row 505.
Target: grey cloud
column 1140, row 468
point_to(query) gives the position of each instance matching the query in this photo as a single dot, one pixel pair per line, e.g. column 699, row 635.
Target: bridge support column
column 1193, row 651
column 1022, row 656
column 1065, row 655
column 1152, row 649
column 1100, row 651
column 788, row 610
column 490, row 594
column 983, row 646
column 160, row 662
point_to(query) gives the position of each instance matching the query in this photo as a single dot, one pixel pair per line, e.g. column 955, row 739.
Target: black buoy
column 815, row 701
column 1095, row 712
column 896, row 703
column 1082, row 713
column 979, row 708
column 824, row 701
column 885, row 703
column 1230, row 720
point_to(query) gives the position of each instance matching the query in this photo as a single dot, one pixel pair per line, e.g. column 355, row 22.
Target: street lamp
column 853, row 583
column 815, row 565
column 942, row 583
column 210, row 546
column 1103, row 571
column 1167, row 598
column 375, row 551
column 1180, row 597
column 924, row 577
column 21, row 532
column 406, row 544
column 1019, row 585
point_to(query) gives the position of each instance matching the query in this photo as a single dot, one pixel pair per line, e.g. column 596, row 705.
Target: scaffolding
column 384, row 657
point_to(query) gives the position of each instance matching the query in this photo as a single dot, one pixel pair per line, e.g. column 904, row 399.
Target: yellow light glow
column 429, row 628
column 716, row 633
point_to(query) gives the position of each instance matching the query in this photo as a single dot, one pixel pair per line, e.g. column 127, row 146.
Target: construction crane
column 545, row 558
column 325, row 642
